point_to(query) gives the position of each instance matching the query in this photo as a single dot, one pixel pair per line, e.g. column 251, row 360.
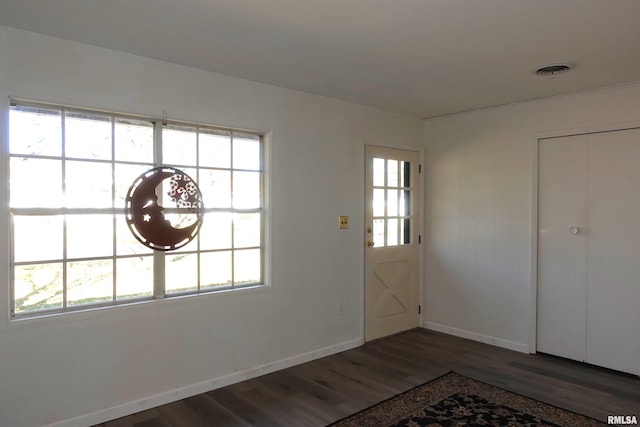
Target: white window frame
column 159, row 280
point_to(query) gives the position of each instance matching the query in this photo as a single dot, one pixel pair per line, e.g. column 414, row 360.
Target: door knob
column 575, row 230
column 370, row 243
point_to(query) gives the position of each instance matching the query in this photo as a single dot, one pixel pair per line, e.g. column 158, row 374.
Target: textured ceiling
column 419, row 57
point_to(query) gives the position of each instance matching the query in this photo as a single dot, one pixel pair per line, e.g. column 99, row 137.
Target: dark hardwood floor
column 325, row 390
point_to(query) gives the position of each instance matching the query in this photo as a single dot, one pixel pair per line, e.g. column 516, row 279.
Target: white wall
column 66, row 366
column 478, row 210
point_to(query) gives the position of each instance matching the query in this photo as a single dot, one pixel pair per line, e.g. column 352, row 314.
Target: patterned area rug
column 456, row 401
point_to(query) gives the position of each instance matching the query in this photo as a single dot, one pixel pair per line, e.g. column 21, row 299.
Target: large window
column 69, row 173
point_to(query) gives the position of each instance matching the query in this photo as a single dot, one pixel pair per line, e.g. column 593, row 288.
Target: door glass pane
column 405, row 203
column 35, row 131
column 392, row 173
column 35, row 183
column 134, row 277
column 246, row 266
column 89, row 282
column 87, row 136
column 181, row 272
column 405, row 174
column 38, row 287
column 89, row 236
column 215, row 269
column 378, row 202
column 84, row 192
column 133, row 141
column 392, row 232
column 179, row 146
column 392, row 202
column 406, row 231
column 378, row 232
column 214, row 149
column 378, row 172
column 37, row 238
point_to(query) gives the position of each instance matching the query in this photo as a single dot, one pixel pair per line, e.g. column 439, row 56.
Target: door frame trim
column 535, row 170
column 420, row 150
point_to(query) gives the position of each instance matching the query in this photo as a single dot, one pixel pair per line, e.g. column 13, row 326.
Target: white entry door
column 589, row 248
column 391, row 239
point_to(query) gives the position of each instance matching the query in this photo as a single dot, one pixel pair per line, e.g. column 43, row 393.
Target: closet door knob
column 575, row 230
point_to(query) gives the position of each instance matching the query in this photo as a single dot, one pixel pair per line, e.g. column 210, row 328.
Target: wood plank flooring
column 325, row 390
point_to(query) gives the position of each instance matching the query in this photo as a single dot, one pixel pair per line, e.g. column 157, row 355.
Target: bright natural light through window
column 70, row 171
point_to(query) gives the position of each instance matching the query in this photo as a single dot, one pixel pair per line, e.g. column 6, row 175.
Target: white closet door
column 562, row 255
column 613, row 282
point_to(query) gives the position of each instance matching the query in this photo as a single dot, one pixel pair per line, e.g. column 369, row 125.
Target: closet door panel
column 613, row 242
column 562, row 249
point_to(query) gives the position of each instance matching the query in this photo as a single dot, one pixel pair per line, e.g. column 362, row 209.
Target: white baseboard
column 132, row 407
column 487, row 339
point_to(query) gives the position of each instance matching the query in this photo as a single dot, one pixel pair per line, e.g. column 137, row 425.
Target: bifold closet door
column 613, row 247
column 589, row 248
column 562, row 250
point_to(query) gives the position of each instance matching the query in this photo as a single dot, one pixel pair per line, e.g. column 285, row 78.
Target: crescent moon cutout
column 147, row 217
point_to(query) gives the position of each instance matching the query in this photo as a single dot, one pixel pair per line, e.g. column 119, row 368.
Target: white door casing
column 391, row 241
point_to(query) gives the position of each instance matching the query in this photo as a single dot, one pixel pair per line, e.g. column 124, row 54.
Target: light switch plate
column 343, row 221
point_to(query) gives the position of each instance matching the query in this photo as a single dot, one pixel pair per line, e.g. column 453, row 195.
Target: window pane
column 88, row 185
column 89, row 282
column 392, row 173
column 87, row 136
column 215, row 149
column 35, row 131
column 392, row 232
column 378, row 202
column 124, row 177
column 38, row 287
column 246, row 190
column 169, row 200
column 246, row 266
column 181, row 272
column 216, row 231
column 246, row 230
column 378, row 172
column 215, row 187
column 126, row 244
column 215, row 269
column 179, row 146
column 246, row 152
column 35, row 183
column 378, row 232
column 37, row 238
column 89, row 236
column 392, row 202
column 133, row 141
column 134, row 277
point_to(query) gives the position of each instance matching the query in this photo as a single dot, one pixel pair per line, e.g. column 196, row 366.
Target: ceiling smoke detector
column 553, row 70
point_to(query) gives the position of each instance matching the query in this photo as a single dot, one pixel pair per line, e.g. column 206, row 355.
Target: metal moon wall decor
column 164, row 209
